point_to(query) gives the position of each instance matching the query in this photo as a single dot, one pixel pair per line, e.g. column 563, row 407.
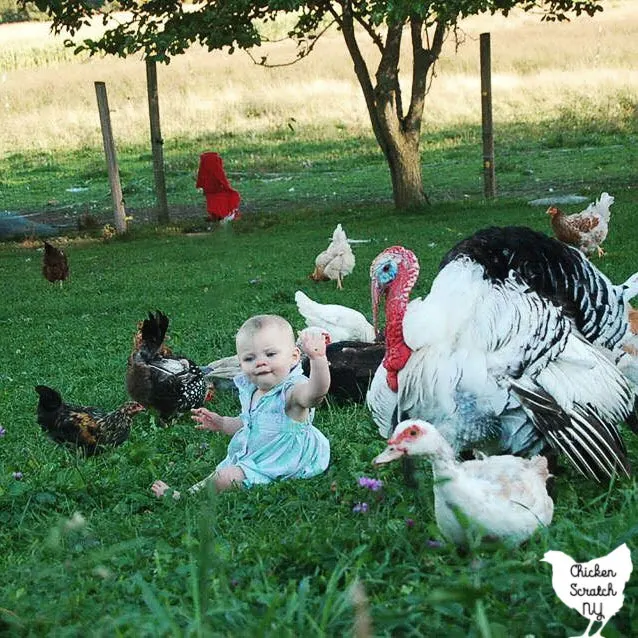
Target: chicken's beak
column 391, row 453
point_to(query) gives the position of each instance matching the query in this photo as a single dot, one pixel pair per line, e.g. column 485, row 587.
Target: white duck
column 336, row 261
column 340, row 322
column 500, row 497
column 506, row 369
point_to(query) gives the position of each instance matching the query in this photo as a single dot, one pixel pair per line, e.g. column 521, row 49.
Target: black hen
column 352, row 366
column 91, row 429
column 55, row 266
column 159, row 379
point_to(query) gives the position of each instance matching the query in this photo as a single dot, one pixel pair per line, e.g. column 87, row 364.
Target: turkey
column 512, row 370
column 599, row 308
column 158, row 379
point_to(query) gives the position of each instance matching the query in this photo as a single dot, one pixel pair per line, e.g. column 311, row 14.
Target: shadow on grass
column 288, row 169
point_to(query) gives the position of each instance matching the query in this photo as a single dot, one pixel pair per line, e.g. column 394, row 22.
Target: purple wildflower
column 409, row 522
column 17, row 476
column 2, row 431
column 370, row 483
column 432, row 544
column 360, row 508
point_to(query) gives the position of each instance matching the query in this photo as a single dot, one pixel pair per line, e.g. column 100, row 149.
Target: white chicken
column 519, row 365
column 336, row 261
column 594, row 589
column 340, row 322
column 499, row 497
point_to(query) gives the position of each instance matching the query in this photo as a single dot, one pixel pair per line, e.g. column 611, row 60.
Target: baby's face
column 267, row 356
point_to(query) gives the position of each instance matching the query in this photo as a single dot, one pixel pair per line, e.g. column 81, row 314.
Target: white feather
column 381, row 402
column 341, row 322
column 470, row 336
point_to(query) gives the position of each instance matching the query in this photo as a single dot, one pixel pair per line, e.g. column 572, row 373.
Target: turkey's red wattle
column 397, row 298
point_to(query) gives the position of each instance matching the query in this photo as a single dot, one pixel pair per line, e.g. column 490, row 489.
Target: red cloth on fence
column 221, row 199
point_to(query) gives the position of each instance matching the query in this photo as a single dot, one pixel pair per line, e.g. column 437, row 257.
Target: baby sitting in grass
column 273, row 437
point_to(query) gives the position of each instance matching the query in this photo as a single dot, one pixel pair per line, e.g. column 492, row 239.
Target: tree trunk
column 404, row 160
column 398, row 134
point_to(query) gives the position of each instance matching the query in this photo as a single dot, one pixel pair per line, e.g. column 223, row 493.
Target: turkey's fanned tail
column 593, row 446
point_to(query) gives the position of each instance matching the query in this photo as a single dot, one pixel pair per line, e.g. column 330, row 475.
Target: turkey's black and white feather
column 507, row 355
column 558, row 272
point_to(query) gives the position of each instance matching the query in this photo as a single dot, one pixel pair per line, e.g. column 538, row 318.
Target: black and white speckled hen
column 158, row 379
column 89, row 428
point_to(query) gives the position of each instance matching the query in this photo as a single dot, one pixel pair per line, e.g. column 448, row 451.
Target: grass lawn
column 88, row 551
column 85, row 548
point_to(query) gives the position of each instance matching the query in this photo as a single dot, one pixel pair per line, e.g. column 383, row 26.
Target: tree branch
column 300, row 56
column 388, row 90
column 423, row 61
column 346, row 21
column 369, row 29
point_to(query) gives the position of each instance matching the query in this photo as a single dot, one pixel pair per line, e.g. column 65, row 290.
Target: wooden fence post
column 157, row 143
column 489, row 182
column 111, row 157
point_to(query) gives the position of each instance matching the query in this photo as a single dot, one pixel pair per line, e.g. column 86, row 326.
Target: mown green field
column 86, row 549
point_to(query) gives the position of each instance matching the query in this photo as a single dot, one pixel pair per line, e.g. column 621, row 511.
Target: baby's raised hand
column 207, row 420
column 313, row 343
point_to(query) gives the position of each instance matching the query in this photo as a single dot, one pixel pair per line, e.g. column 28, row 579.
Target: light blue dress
column 270, row 445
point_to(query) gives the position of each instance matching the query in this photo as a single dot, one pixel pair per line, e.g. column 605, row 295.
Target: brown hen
column 55, row 265
column 90, row 429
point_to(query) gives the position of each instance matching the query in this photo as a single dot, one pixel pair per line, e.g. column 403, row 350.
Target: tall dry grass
column 540, row 70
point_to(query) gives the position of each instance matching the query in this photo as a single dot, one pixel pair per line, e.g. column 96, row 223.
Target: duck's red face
column 407, row 440
column 408, row 434
column 401, row 443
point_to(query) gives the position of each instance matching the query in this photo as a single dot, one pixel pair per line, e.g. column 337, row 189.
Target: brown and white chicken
column 336, row 261
column 586, row 230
